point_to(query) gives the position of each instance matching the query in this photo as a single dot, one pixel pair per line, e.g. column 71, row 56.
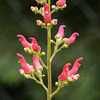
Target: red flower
column 61, row 2
column 47, row 16
column 71, row 39
column 75, row 67
column 63, row 76
column 60, row 33
column 26, row 67
column 24, row 41
column 36, row 63
column 35, row 46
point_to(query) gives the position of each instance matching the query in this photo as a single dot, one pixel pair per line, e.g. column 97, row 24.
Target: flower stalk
column 35, row 71
column 49, row 64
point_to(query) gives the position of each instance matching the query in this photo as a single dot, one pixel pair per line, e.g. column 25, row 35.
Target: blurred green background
column 82, row 16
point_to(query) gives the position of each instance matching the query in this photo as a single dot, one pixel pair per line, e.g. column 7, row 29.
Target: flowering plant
column 35, row 71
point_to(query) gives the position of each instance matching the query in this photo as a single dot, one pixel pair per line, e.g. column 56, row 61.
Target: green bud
column 59, row 41
column 41, row 9
column 43, row 75
column 31, row 52
column 43, row 53
column 65, row 82
column 43, row 24
column 39, row 74
column 27, row 76
column 52, row 41
column 65, row 45
column 49, row 24
column 53, row 7
column 26, row 49
column 65, row 6
column 56, row 83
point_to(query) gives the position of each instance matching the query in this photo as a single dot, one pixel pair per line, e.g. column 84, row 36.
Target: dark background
column 82, row 16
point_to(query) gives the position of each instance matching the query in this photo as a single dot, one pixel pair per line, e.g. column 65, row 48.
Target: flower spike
column 24, row 41
column 26, row 67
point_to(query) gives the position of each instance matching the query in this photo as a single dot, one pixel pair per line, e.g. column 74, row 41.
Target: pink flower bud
column 39, row 22
column 36, row 63
column 37, row 0
column 32, row 8
column 75, row 67
column 35, row 46
column 53, row 6
column 24, row 65
column 72, row 76
column 27, row 76
column 60, row 33
column 69, row 79
column 77, row 75
column 47, row 16
column 23, row 41
column 54, row 21
column 61, row 2
column 21, row 71
column 71, row 39
column 63, row 76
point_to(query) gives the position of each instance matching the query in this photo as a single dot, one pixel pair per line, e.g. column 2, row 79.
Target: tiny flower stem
column 35, row 79
column 57, row 8
column 39, row 82
column 62, row 47
column 41, row 61
column 52, row 11
column 55, row 51
column 57, row 90
column 40, row 13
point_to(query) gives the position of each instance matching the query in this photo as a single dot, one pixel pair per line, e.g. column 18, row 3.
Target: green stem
column 52, row 11
column 57, row 90
column 55, row 51
column 39, row 82
column 48, row 59
column 41, row 61
column 49, row 64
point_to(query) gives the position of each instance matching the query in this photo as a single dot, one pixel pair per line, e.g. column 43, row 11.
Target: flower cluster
column 31, row 48
column 45, row 12
column 60, row 35
column 69, row 75
column 27, row 46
